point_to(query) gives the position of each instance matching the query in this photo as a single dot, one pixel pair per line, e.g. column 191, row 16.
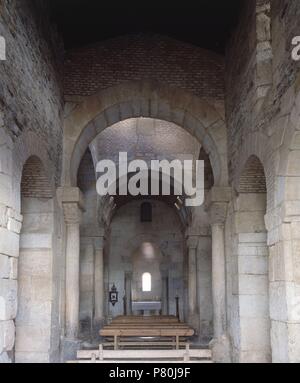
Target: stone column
column 218, row 210
column 218, row 278
column 128, row 279
column 165, row 298
column 72, row 204
column 99, row 282
column 204, row 294
column 193, row 318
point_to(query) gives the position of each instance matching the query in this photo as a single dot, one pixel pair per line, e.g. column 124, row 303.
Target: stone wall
column 31, row 107
column 262, row 94
column 31, row 76
column 239, row 82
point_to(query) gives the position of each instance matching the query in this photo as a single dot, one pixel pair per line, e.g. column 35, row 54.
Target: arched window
column 146, row 212
column 146, row 282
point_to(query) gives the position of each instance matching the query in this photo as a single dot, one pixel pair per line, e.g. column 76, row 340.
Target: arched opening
column 127, row 223
column 137, row 99
column 146, row 282
column 89, row 231
column 253, row 265
column 35, row 267
column 146, row 212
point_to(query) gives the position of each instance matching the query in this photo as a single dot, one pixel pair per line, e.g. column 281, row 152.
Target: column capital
column 99, row 242
column 218, row 213
column 219, row 194
column 217, row 203
column 71, row 201
column 72, row 213
column 70, row 195
column 128, row 273
column 192, row 241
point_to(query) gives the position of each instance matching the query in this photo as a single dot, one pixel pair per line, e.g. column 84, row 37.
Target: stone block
column 32, row 339
column 293, row 168
column 294, row 342
column 251, row 202
column 292, row 190
column 279, row 342
column 257, row 265
column 5, row 190
column 9, row 243
column 14, row 226
column 31, row 312
column 283, row 267
column 255, row 335
column 252, row 238
column 35, row 262
column 13, row 268
column 249, row 222
column 7, row 336
column 36, row 241
column 32, row 357
column 41, row 288
column 3, row 216
column 254, row 306
column 253, row 284
column 4, row 358
column 250, row 249
column 254, row 356
column 8, row 299
column 4, row 266
column 278, row 301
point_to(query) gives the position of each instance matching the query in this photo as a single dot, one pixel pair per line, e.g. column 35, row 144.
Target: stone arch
column 208, row 171
column 288, row 175
column 35, row 265
column 144, row 99
column 106, row 204
column 257, row 146
column 28, row 145
column 253, row 178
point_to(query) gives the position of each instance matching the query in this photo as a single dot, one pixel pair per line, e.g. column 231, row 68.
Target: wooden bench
column 144, row 356
column 147, row 327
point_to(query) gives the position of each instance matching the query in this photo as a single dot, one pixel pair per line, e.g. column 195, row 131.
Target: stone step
column 186, row 355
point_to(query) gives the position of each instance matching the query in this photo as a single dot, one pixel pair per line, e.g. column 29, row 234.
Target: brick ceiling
column 205, row 23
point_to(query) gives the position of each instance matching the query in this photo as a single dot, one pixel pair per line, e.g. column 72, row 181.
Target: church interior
column 85, row 277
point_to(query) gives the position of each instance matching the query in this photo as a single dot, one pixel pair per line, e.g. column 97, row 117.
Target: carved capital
column 99, row 242
column 72, row 213
column 219, row 194
column 71, row 201
column 218, row 213
column 70, row 195
column 218, row 199
column 192, row 241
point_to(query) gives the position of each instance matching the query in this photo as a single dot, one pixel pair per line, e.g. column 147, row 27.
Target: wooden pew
column 149, row 329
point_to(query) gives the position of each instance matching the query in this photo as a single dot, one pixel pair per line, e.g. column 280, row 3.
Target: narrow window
column 146, row 282
column 146, row 212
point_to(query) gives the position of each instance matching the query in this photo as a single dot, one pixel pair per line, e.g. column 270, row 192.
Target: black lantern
column 113, row 295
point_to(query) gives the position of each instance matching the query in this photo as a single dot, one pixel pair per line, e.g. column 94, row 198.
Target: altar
column 146, row 307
